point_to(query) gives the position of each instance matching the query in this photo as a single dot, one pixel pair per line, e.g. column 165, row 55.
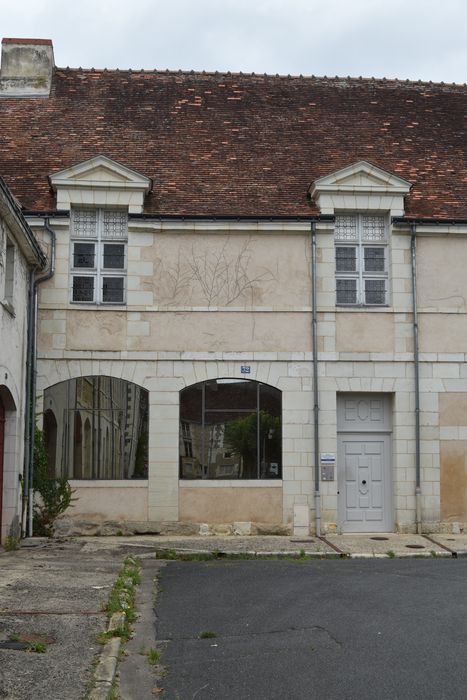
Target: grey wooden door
column 364, row 463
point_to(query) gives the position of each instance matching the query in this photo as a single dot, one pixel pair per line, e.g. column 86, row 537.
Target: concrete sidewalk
column 365, row 545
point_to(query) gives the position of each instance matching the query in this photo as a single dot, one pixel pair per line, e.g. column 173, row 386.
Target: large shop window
column 96, row 428
column 230, row 429
column 98, row 256
column 361, row 260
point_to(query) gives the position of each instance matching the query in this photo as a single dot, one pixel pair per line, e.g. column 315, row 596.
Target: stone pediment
column 100, row 181
column 360, row 187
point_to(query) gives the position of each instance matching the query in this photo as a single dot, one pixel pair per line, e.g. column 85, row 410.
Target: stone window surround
column 360, row 274
column 100, row 182
column 360, row 187
column 9, row 256
column 98, row 271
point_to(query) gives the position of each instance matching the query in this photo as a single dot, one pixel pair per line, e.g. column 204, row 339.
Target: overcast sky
column 415, row 39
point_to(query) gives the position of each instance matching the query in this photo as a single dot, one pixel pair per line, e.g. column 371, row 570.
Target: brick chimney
column 27, row 67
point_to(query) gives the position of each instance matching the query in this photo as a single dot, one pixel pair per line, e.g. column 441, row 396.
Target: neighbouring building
column 20, row 255
column 257, row 320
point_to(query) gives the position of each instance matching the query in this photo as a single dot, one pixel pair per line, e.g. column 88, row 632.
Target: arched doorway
column 2, row 451
column 9, row 469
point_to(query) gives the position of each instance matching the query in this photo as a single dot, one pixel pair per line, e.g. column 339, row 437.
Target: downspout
column 27, row 412
column 32, row 362
column 418, row 491
column 315, row 378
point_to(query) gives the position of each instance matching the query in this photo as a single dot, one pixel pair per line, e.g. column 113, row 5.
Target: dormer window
column 361, row 260
column 98, row 256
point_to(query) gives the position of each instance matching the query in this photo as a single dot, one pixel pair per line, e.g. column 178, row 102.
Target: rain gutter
column 418, row 490
column 315, row 378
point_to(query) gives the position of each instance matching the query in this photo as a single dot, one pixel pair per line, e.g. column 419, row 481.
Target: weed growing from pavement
column 153, row 656
column 172, row 554
column 207, row 634
column 13, row 637
column 113, row 693
column 122, row 596
column 391, row 554
column 122, row 599
column 37, row 647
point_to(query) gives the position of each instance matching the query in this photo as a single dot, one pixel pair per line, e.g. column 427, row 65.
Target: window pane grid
column 84, row 223
column 346, row 291
column 103, row 258
column 83, row 288
column 346, row 259
column 113, row 257
column 112, row 290
column 346, row 228
column 374, row 259
column 373, row 228
column 361, row 269
column 84, row 255
column 115, row 224
column 375, row 291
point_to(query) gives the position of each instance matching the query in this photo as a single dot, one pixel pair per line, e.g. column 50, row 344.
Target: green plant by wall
column 11, row 543
column 55, row 494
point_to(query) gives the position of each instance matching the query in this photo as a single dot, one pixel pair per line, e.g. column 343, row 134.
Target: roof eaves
column 12, row 213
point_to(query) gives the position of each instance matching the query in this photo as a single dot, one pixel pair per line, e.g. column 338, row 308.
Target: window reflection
column 230, row 429
column 100, row 429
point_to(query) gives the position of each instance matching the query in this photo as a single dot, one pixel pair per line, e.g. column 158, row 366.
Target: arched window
column 101, row 428
column 50, row 440
column 77, row 445
column 87, row 450
column 230, row 429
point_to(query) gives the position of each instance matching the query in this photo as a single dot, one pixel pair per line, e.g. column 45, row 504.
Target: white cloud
column 399, row 38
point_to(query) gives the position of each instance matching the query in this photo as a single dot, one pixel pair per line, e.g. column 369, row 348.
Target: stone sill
column 108, row 483
column 229, row 483
column 9, row 308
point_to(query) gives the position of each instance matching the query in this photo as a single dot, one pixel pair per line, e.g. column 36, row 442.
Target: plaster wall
column 441, row 273
column 109, row 500
column 13, row 333
column 230, row 504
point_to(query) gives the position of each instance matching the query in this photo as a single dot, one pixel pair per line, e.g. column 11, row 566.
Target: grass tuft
column 207, row 634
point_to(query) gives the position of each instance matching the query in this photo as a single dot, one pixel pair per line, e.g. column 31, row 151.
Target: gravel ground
column 57, row 591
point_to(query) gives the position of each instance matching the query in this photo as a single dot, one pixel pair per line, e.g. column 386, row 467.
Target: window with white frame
column 98, row 256
column 10, row 255
column 361, row 260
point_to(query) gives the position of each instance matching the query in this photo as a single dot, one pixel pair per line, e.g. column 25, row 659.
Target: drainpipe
column 418, row 491
column 32, row 379
column 315, row 377
column 27, row 412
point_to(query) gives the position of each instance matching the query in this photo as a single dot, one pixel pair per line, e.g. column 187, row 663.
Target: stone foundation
column 69, row 527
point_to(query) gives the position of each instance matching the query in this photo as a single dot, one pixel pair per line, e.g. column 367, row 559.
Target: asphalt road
column 379, row 629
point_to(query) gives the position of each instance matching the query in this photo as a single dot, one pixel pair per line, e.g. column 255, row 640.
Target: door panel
column 364, row 482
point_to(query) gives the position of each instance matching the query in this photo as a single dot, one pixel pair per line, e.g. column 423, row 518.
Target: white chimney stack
column 27, row 67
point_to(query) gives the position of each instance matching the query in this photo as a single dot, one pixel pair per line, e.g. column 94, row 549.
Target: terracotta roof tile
column 216, row 143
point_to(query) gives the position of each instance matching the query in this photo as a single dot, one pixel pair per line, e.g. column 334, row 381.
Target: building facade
column 257, row 321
